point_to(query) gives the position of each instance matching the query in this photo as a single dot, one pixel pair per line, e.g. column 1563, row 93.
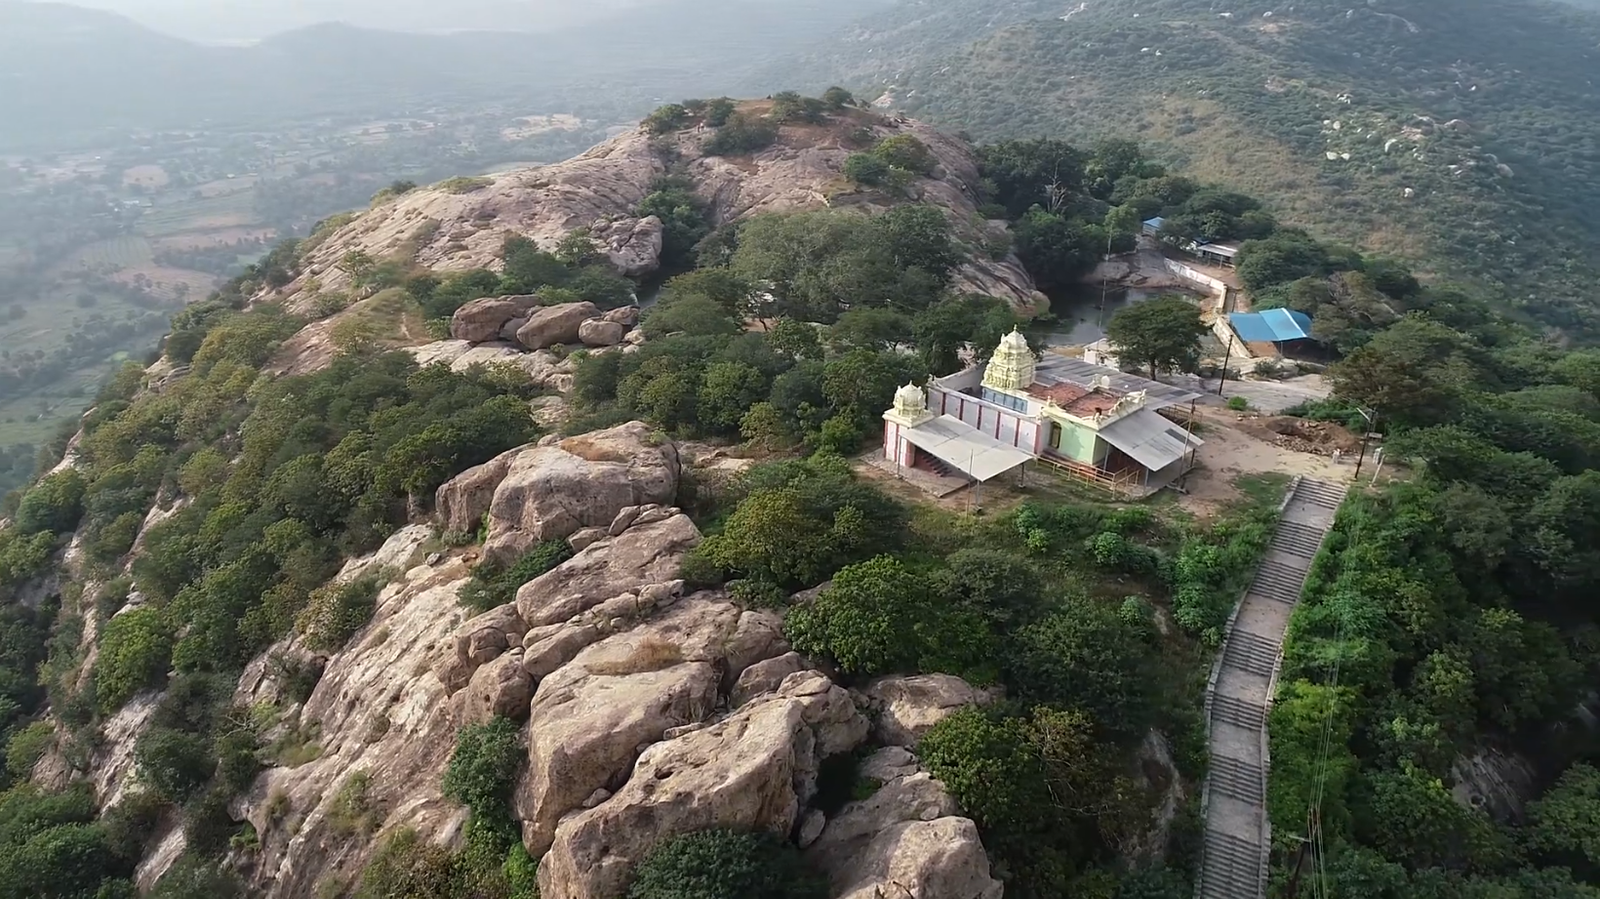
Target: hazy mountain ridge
column 1472, row 132
column 70, row 70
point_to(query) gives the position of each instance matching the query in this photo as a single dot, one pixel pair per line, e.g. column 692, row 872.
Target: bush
column 173, row 763
column 904, row 151
column 26, row 747
column 1238, row 404
column 491, row 586
column 462, row 185
column 353, row 810
column 743, row 133
column 135, row 654
column 338, row 611
column 866, row 168
column 405, row 867
column 483, row 768
column 667, row 119
column 53, row 505
column 725, row 864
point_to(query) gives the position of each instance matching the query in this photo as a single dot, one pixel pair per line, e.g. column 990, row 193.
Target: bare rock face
column 482, row 320
column 550, row 492
column 601, row 333
column 906, row 841
column 378, row 708
column 641, row 557
column 764, row 677
column 906, row 707
column 750, row 771
column 632, row 245
column 550, row 325
column 591, row 716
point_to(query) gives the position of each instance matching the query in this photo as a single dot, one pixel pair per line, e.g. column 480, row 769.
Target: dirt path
column 1230, row 452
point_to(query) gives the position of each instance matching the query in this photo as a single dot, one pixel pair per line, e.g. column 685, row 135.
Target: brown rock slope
column 452, row 228
column 638, row 720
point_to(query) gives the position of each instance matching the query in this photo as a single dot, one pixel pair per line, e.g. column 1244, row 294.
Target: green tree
column 867, row 169
column 135, row 653
column 1565, row 822
column 1163, row 333
column 727, row 392
column 1085, row 656
column 724, row 864
column 1412, row 373
column 877, row 618
column 53, row 505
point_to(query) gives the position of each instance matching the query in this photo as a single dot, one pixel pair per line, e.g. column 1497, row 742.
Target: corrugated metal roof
column 1270, row 325
column 962, row 446
column 1151, row 440
column 1057, row 369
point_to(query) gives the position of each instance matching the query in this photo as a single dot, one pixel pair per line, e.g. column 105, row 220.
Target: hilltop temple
column 1095, row 423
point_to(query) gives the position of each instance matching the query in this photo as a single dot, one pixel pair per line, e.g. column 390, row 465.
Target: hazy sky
column 231, row 20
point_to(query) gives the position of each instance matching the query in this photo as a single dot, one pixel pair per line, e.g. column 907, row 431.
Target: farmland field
column 233, row 210
column 108, row 256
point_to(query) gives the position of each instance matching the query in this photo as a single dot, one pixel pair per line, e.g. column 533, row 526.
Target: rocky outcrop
column 906, row 707
column 548, row 326
column 906, row 841
column 544, row 369
column 483, row 320
column 591, row 716
column 753, row 771
column 600, row 189
column 556, row 488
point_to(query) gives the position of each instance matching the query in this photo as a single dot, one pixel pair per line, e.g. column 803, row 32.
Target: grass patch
column 1263, row 491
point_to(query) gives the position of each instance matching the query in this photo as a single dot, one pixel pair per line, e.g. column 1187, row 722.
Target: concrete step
column 1252, row 653
column 1326, row 494
column 1230, row 868
column 1298, row 539
column 1238, row 712
column 1237, row 778
column 1274, row 583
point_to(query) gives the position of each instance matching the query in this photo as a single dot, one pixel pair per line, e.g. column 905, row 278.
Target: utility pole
column 1226, row 361
column 1372, row 425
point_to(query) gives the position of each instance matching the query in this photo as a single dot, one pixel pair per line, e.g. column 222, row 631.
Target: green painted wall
column 1079, row 443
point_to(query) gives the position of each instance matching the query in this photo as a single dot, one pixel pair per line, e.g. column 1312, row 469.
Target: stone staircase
column 1237, row 833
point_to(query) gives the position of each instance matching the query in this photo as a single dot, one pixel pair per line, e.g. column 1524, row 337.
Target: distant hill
column 68, row 70
column 1472, row 129
column 238, row 20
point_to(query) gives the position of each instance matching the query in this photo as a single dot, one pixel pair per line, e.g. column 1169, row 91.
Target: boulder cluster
column 648, row 709
column 526, row 322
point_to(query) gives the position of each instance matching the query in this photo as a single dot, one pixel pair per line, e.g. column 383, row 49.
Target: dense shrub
column 493, row 585
column 135, row 653
column 722, row 864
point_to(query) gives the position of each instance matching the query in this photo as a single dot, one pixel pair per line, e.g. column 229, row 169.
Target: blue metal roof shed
column 1270, row 325
column 1151, row 226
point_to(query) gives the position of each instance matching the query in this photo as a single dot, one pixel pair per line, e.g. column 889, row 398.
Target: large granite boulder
column 591, row 716
column 906, row 841
column 647, row 555
column 632, row 245
column 552, row 490
column 550, row 325
column 481, row 321
column 600, row 333
column 751, row 771
column 906, row 707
